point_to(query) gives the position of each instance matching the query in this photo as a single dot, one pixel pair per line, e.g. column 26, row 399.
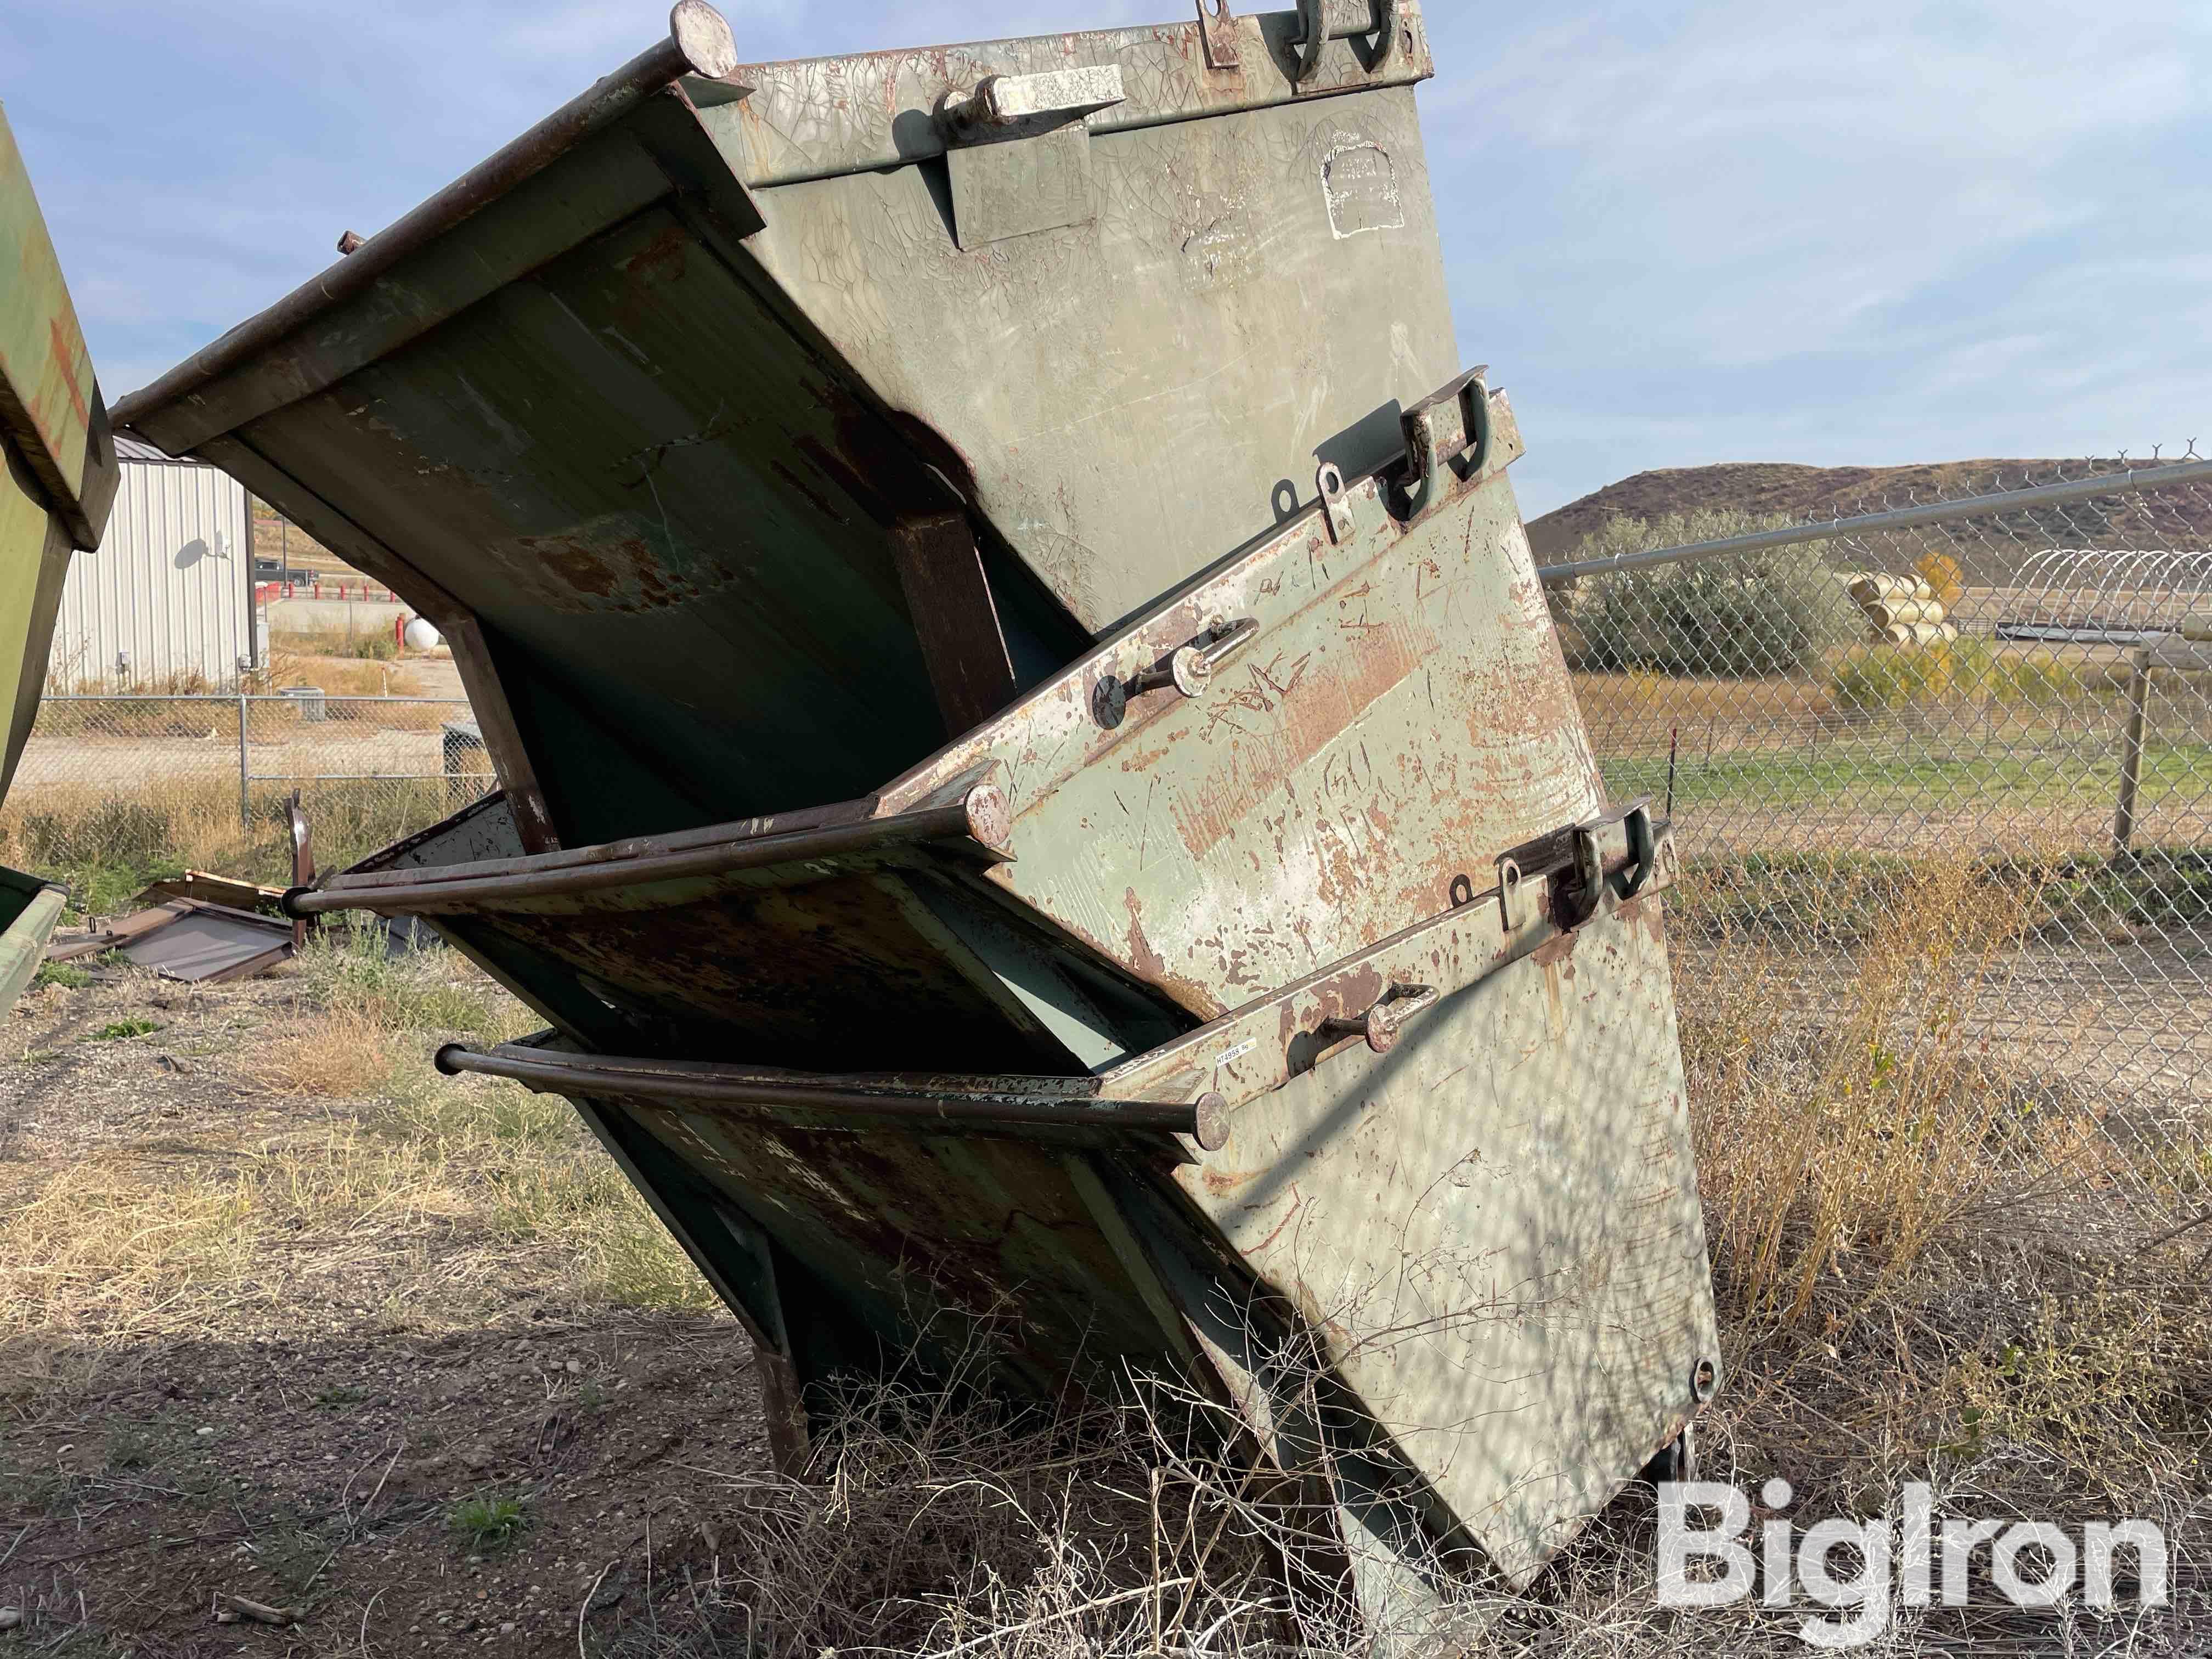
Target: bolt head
column 1189, row 666
column 990, row 818
column 1110, row 702
column 1212, row 1123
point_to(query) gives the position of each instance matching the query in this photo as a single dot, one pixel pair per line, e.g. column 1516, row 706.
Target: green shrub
column 1879, row 676
column 1870, row 677
column 1742, row 617
column 2033, row 677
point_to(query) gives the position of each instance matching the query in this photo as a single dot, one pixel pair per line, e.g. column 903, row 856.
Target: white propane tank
column 421, row 636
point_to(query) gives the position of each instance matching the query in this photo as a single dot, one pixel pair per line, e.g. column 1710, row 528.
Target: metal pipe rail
column 1206, row 1120
column 980, row 817
column 1900, row 518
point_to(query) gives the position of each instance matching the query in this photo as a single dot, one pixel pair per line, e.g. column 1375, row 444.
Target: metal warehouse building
column 169, row 595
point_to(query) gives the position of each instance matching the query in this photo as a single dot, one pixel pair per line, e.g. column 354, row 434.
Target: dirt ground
column 322, row 1430
column 284, row 1317
column 325, row 1473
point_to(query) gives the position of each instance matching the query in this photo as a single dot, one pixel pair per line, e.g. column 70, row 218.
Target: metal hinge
column 1321, row 22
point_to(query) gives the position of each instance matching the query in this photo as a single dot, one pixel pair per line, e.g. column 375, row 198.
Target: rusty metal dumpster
column 1037, row 780
column 57, row 484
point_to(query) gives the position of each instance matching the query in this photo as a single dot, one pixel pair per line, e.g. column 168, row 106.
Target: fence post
column 245, row 801
column 2131, row 747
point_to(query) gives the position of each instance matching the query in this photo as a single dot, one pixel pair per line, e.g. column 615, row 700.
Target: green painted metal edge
column 50, row 405
column 37, row 907
column 58, row 466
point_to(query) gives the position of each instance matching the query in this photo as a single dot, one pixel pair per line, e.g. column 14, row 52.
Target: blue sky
column 1748, row 230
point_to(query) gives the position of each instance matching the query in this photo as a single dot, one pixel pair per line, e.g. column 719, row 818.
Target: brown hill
column 1781, row 487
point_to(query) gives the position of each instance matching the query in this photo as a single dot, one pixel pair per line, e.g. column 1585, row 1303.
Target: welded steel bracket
column 1447, row 441
column 1328, row 483
column 1217, row 34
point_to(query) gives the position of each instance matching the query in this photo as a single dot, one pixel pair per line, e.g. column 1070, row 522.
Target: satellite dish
column 191, row 554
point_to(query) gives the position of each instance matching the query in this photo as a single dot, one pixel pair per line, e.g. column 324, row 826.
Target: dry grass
column 1931, row 1264
column 1868, row 1140
column 107, row 843
column 1636, row 708
column 315, row 660
column 928, row 1520
column 428, row 1198
column 1928, row 1268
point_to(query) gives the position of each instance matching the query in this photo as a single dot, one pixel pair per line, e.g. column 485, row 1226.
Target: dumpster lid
column 805, row 119
column 589, row 412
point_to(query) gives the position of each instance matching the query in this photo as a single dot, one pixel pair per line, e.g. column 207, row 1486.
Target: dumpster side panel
column 34, row 554
column 582, row 471
column 1496, row 1227
column 1402, row 716
column 1137, row 390
column 1395, row 727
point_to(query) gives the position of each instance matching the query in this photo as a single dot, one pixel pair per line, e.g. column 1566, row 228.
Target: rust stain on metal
column 1149, row 961
column 68, row 354
column 1316, row 709
column 662, row 259
column 608, row 565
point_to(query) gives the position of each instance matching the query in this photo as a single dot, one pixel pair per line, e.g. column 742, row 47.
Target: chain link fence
column 2010, row 692
column 113, row 792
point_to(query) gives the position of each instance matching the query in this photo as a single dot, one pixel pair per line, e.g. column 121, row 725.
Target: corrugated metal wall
column 166, row 595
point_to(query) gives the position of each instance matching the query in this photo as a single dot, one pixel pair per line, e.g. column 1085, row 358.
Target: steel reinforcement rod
column 980, row 817
column 1206, row 1120
column 699, row 43
column 1899, row 517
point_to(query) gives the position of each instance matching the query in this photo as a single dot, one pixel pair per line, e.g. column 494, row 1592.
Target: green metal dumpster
column 1037, row 779
column 59, row 480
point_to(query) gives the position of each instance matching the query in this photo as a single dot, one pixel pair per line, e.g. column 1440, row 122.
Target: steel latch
column 1447, row 434
column 1019, row 151
column 1627, row 848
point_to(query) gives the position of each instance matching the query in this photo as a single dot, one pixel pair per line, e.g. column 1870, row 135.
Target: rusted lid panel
column 1388, row 711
